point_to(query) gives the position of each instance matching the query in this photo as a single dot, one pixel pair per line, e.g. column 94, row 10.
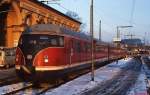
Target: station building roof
column 132, row 41
column 50, row 8
column 54, row 29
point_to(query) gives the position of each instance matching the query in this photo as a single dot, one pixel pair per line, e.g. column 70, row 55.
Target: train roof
column 54, row 29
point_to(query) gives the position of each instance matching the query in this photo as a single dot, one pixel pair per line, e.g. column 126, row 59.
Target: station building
column 15, row 15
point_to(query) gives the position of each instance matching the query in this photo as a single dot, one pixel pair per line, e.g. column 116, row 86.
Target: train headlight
column 46, row 59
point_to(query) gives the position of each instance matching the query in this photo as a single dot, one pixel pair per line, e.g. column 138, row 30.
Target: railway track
column 120, row 83
column 18, row 90
column 31, row 88
column 9, row 80
column 8, row 76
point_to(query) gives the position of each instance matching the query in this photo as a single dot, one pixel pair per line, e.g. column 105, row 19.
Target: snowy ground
column 143, row 82
column 140, row 87
column 83, row 83
column 12, row 87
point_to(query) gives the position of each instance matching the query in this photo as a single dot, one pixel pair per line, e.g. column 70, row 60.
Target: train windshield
column 42, row 40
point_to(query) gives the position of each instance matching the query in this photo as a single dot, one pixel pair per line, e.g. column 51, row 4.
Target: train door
column 71, row 51
column 79, row 49
column 82, row 54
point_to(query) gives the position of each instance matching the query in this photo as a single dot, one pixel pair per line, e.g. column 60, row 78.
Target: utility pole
column 118, row 32
column 118, row 37
column 92, row 43
column 145, row 38
column 100, row 31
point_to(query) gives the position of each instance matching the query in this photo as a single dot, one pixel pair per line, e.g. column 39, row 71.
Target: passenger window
column 89, row 48
column 61, row 40
column 78, row 47
column 86, row 47
column 54, row 42
column 44, row 38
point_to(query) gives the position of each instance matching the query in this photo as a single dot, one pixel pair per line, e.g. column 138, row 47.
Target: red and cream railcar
column 49, row 51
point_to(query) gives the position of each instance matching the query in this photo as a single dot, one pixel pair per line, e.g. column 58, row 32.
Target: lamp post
column 92, row 43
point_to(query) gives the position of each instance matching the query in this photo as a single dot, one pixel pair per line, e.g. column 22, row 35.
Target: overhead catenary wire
column 101, row 12
column 132, row 16
column 132, row 12
column 48, row 2
column 96, row 12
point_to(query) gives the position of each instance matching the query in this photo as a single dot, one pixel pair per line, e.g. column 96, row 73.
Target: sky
column 112, row 13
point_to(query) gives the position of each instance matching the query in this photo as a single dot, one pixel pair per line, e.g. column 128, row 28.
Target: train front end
column 39, row 55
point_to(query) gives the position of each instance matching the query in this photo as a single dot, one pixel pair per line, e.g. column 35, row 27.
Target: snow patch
column 140, row 87
column 84, row 83
column 10, row 88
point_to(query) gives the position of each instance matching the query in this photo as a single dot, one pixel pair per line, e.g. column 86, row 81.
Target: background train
column 47, row 51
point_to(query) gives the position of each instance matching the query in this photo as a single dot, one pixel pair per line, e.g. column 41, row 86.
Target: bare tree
column 75, row 16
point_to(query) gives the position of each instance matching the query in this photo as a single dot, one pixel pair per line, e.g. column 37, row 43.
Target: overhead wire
column 132, row 12
column 132, row 16
column 63, row 7
column 54, row 2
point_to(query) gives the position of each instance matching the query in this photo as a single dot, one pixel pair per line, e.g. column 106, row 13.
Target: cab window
column 54, row 42
column 42, row 40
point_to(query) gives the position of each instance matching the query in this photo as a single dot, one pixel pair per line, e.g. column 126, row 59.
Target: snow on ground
column 143, row 82
column 146, row 70
column 140, row 87
column 10, row 88
column 31, row 91
column 83, row 83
